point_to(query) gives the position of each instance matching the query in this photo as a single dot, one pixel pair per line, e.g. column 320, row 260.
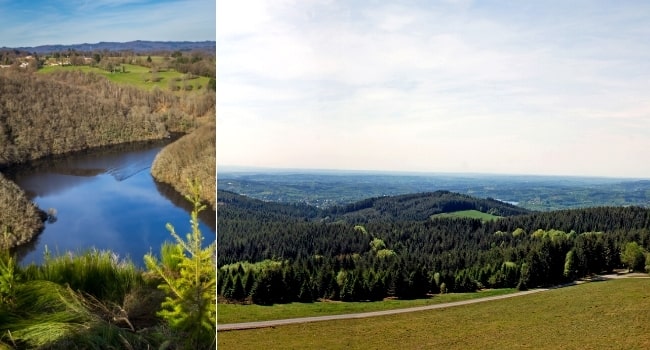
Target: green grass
column 473, row 214
column 138, row 76
column 99, row 273
column 233, row 313
column 601, row 315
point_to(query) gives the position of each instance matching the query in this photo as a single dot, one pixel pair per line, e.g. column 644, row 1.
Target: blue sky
column 33, row 23
column 535, row 87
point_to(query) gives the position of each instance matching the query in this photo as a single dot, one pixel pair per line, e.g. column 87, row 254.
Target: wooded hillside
column 269, row 249
column 42, row 115
column 421, row 206
column 192, row 157
column 20, row 219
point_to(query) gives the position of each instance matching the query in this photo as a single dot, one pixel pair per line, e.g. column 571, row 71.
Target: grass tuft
column 99, row 273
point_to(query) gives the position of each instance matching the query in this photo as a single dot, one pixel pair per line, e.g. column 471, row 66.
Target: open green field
column 234, row 313
column 599, row 315
column 473, row 214
column 140, row 77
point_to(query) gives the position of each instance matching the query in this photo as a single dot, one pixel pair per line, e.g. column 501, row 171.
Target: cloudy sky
column 514, row 87
column 43, row 22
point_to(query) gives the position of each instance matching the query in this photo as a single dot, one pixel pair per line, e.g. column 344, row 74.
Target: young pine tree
column 190, row 305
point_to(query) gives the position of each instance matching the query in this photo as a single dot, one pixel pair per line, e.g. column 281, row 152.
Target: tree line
column 273, row 256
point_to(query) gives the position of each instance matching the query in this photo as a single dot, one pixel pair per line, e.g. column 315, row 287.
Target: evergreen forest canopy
column 392, row 247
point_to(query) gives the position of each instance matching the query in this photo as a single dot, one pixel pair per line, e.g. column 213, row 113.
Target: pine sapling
column 190, row 285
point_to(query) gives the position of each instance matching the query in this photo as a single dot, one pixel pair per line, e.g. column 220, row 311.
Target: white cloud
column 383, row 87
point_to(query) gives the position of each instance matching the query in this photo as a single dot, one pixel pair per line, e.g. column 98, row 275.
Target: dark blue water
column 107, row 200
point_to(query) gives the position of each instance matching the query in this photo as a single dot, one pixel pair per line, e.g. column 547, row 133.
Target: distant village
column 55, row 60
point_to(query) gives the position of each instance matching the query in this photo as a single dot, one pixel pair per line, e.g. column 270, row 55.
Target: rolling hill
column 410, row 207
column 421, row 206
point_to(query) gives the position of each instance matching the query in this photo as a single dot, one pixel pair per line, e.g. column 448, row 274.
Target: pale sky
column 512, row 87
column 46, row 22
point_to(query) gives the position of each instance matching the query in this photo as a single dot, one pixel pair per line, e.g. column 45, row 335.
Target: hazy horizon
column 71, row 22
column 225, row 168
column 119, row 42
column 550, row 88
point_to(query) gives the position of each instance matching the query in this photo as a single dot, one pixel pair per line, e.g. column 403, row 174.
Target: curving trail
column 273, row 323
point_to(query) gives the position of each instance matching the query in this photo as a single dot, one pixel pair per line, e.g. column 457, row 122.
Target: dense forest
column 420, row 207
column 273, row 253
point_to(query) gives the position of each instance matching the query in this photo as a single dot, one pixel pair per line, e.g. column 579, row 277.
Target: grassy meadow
column 473, row 214
column 600, row 315
column 141, row 77
column 235, row 313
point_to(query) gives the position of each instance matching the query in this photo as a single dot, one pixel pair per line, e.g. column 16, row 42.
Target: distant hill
column 325, row 188
column 410, row 207
column 421, row 206
column 233, row 205
column 136, row 46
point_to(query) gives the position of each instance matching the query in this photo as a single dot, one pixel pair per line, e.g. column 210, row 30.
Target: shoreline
column 21, row 220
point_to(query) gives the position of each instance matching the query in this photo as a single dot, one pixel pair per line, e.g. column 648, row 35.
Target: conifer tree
column 238, row 292
column 190, row 305
column 305, row 294
column 249, row 280
column 226, row 289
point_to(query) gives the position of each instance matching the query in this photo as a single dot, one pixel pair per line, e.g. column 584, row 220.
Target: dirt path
column 273, row 323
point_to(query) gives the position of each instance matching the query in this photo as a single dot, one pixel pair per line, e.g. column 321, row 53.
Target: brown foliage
column 19, row 217
column 193, row 157
column 42, row 115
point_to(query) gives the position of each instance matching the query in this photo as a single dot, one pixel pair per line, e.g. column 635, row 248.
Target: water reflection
column 208, row 216
column 107, row 200
column 50, row 176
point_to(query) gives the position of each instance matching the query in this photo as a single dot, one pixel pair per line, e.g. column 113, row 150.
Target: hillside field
column 472, row 214
column 600, row 315
column 139, row 76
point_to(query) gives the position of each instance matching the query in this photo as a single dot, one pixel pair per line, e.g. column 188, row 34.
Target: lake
column 105, row 199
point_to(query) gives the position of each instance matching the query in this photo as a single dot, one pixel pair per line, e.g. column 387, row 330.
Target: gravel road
column 273, row 323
